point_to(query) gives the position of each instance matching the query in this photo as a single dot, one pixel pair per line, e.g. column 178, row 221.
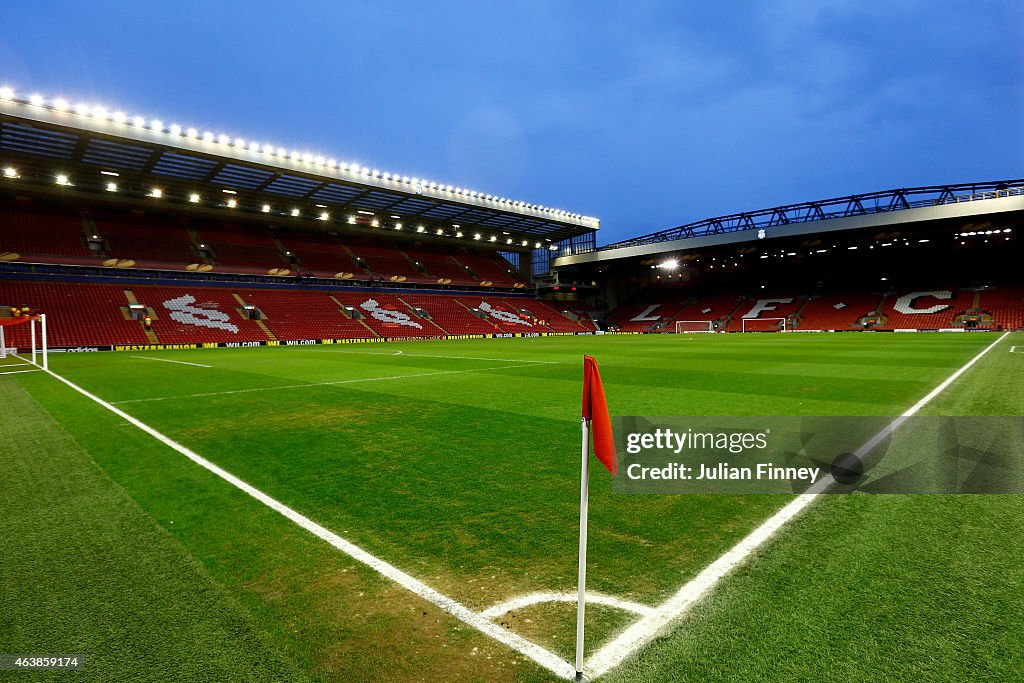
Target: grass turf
column 465, row 476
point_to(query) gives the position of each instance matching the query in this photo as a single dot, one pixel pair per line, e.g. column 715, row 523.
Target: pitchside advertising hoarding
column 754, row 455
column 300, row 342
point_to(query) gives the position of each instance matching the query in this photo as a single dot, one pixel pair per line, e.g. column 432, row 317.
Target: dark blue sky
column 645, row 114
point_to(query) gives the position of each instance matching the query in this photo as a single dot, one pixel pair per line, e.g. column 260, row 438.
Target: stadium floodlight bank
column 694, row 326
column 38, row 351
column 764, row 325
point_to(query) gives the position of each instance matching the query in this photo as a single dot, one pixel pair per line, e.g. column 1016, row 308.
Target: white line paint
column 315, row 384
column 538, row 598
column 538, row 654
column 18, row 372
column 1013, row 349
column 646, row 629
column 168, row 360
column 428, row 355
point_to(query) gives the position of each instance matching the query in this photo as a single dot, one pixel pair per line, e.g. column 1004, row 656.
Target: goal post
column 16, row 342
column 694, row 326
column 764, row 325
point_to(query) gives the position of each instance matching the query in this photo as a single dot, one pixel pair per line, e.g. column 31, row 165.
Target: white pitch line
column 538, row 654
column 313, row 384
column 645, row 629
column 537, row 598
column 168, row 360
column 427, row 355
column 18, row 372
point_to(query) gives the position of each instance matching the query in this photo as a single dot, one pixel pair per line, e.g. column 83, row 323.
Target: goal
column 764, row 324
column 23, row 343
column 691, row 326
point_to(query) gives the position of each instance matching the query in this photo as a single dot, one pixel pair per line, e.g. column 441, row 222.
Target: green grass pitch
column 458, row 462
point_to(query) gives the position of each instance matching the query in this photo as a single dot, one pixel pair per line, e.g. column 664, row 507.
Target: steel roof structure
column 50, row 144
column 875, row 210
column 828, row 209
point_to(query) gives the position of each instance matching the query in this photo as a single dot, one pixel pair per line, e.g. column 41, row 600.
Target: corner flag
column 595, row 414
column 595, row 411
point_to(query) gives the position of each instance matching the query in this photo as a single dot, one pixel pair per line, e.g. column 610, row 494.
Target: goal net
column 689, row 326
column 764, row 324
column 23, row 344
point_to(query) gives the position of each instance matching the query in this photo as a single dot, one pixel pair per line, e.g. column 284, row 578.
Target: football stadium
column 276, row 416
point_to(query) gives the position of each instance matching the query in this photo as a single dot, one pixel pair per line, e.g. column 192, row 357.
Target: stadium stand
column 305, row 315
column 441, row 266
column 238, row 249
column 449, row 314
column 489, row 268
column 198, row 314
column 837, row 311
column 922, row 309
column 645, row 316
column 388, row 316
column 38, row 234
column 551, row 318
column 1006, row 305
column 150, row 241
column 387, row 263
column 503, row 316
column 322, row 255
column 763, row 306
column 716, row 307
column 583, row 312
column 79, row 314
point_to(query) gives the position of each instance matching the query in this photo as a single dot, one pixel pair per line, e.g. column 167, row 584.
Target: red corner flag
column 595, row 411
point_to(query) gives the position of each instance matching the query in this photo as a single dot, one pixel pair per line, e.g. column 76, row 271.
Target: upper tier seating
column 241, row 249
column 489, row 268
column 440, row 265
column 322, row 255
column 388, row 262
column 150, row 241
column 43, row 234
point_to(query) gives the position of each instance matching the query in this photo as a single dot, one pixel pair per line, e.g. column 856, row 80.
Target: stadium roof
column 49, row 142
column 870, row 210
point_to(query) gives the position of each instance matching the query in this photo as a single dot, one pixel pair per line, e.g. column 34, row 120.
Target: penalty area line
column 536, row 653
column 645, row 629
column 18, row 372
column 433, row 355
column 313, row 384
column 168, row 360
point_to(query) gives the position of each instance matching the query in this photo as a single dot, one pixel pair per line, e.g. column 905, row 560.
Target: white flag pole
column 581, row 581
